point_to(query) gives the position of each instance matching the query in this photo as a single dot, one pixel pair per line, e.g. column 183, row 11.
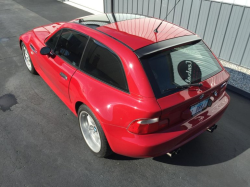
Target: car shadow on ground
column 207, row 149
column 115, row 156
column 201, row 153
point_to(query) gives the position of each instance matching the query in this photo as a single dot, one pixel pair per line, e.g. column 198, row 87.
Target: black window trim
column 124, row 74
column 78, row 68
column 61, row 30
column 106, row 35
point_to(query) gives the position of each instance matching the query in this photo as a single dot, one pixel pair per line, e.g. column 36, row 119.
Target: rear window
column 181, row 65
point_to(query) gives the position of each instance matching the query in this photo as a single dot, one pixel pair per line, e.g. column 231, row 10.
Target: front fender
column 25, row 38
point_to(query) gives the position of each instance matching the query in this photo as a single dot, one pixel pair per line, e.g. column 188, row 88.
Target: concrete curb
column 238, row 91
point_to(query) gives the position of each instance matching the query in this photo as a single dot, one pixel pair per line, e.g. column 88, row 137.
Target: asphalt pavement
column 41, row 143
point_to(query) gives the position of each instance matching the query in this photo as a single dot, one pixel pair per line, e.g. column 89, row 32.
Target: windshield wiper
column 184, row 86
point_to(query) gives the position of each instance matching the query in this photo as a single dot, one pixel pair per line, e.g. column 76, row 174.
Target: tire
column 27, row 59
column 92, row 132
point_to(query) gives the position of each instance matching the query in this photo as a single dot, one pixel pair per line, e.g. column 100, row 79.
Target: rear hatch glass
column 181, row 65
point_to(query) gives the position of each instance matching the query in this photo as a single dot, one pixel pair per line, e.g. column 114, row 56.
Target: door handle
column 63, row 75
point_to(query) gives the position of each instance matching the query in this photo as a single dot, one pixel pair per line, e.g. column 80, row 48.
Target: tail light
column 147, row 126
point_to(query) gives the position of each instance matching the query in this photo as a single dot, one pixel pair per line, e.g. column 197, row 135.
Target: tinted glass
column 103, row 64
column 53, row 40
column 70, row 46
column 182, row 65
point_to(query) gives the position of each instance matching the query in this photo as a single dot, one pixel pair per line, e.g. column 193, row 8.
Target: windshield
column 187, row 64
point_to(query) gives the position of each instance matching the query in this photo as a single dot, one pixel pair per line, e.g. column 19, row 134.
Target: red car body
column 116, row 109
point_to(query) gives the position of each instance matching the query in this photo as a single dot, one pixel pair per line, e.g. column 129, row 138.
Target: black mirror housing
column 45, row 51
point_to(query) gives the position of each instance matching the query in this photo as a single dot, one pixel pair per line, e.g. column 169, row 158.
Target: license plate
column 195, row 109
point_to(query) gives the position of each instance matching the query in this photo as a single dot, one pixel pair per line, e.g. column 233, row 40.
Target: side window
column 103, row 64
column 70, row 46
column 53, row 40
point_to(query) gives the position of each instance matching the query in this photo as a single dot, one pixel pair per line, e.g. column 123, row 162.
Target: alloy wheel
column 90, row 131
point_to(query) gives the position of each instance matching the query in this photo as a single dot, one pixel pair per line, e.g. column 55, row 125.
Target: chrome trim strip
column 33, row 48
column 223, row 85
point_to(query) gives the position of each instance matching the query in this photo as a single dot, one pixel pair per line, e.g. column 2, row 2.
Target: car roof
column 134, row 31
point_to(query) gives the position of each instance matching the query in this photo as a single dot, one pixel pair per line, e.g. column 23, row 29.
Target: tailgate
column 176, row 107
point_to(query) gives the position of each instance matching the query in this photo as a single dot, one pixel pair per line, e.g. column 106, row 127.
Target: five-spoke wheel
column 92, row 132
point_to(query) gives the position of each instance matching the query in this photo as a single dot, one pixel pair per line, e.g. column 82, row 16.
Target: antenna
column 156, row 30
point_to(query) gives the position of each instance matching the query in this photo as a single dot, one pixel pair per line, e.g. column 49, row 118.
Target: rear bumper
column 125, row 143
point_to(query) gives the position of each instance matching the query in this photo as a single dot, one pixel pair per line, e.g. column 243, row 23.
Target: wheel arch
column 79, row 103
column 25, row 38
column 20, row 43
column 77, row 106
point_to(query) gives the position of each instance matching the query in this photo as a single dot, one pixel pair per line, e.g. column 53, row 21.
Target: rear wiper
column 184, row 86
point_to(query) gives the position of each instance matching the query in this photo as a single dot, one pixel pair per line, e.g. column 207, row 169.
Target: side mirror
column 45, row 51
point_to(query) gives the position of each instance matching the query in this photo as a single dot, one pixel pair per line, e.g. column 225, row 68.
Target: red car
column 137, row 91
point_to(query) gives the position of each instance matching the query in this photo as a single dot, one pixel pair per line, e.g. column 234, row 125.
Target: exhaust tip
column 211, row 129
column 174, row 153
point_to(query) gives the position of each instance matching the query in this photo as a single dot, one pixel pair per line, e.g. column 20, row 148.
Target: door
column 62, row 64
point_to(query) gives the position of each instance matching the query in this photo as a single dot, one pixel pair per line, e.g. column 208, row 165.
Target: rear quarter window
column 103, row 64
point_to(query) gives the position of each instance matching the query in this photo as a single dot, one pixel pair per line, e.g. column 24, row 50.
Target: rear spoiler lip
column 147, row 50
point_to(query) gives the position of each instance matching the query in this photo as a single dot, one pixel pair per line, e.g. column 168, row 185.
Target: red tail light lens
column 147, row 126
